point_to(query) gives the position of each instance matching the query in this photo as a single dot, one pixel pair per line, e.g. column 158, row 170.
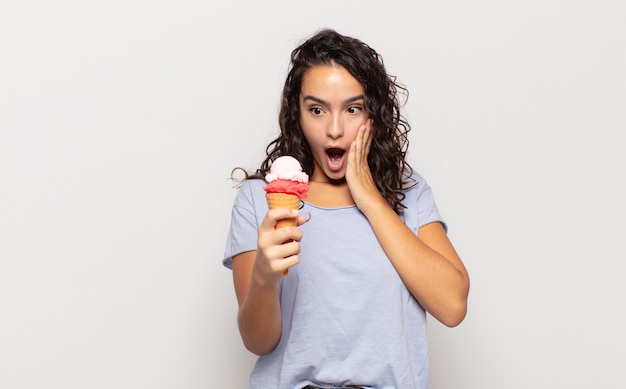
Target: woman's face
column 331, row 112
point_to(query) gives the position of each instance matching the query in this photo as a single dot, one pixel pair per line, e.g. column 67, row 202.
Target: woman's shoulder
column 252, row 184
column 415, row 183
column 249, row 191
column 421, row 207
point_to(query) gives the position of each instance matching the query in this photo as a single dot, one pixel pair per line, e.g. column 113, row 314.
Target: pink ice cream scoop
column 286, row 176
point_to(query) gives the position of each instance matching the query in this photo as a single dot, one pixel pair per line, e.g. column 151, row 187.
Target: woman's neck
column 329, row 195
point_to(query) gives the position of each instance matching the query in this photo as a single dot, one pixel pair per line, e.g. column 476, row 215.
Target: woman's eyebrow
column 323, row 102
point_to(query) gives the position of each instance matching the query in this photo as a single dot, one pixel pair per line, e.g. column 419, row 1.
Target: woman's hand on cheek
column 358, row 173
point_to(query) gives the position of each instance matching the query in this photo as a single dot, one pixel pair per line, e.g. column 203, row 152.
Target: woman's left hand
column 358, row 173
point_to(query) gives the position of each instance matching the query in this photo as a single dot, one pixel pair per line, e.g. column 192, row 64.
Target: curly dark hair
column 387, row 157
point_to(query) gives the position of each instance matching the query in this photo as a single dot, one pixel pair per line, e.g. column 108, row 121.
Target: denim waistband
column 333, row 387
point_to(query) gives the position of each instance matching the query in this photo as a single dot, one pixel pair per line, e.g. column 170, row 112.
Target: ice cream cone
column 283, row 200
column 286, row 185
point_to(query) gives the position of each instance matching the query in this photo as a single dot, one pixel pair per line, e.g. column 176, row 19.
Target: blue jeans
column 333, row 387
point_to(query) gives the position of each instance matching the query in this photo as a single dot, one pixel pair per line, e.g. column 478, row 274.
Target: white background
column 120, row 122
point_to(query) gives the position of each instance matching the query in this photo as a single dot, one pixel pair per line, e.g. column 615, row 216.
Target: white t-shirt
column 347, row 317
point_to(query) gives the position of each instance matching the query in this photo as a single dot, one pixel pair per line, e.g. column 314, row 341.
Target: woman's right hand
column 277, row 249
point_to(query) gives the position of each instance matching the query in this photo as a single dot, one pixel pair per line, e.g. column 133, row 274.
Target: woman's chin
column 337, row 177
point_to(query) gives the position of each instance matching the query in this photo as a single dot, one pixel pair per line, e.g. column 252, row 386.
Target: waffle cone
column 283, row 200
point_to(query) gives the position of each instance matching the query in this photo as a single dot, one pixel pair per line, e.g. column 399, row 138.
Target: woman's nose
column 334, row 128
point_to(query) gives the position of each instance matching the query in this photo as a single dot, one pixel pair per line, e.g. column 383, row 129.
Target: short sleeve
column 244, row 223
column 421, row 208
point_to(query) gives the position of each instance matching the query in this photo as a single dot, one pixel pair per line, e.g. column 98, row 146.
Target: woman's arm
column 427, row 263
column 256, row 274
column 259, row 309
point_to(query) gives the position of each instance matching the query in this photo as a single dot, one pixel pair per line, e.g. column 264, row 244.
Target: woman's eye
column 316, row 111
column 354, row 109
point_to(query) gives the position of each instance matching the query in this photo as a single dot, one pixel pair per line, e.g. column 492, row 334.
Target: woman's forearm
column 259, row 319
column 428, row 264
column 259, row 316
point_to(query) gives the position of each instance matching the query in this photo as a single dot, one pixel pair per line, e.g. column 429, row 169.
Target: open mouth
column 335, row 156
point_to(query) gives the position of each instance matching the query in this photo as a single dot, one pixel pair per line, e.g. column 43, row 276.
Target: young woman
column 372, row 257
